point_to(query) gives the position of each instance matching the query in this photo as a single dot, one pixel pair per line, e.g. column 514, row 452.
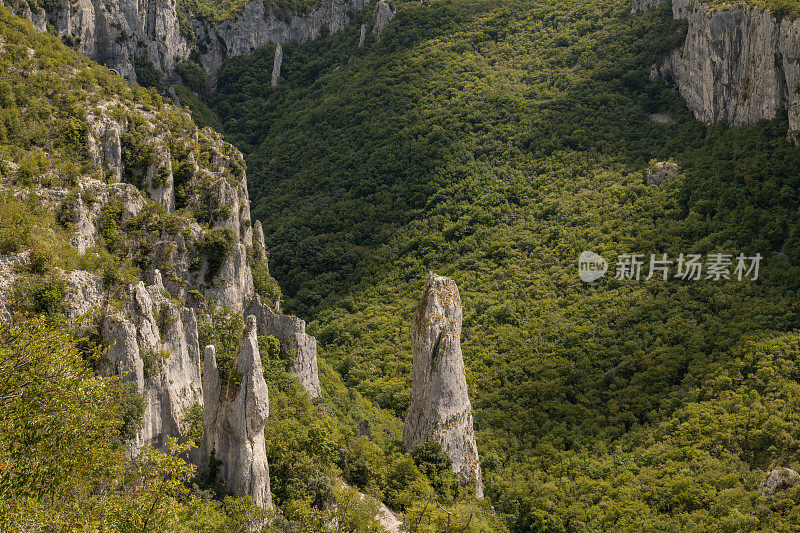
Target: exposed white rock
column 296, row 344
column 363, row 36
column 234, row 418
column 258, row 26
column 276, row 65
column 640, row 6
column 778, row 479
column 383, row 15
column 660, row 172
column 738, row 65
column 440, row 408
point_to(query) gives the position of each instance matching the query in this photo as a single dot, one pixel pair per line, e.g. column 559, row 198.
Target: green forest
column 489, row 141
column 493, row 142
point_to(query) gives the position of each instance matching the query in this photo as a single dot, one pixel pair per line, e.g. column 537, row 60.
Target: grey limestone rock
column 234, row 418
column 440, row 408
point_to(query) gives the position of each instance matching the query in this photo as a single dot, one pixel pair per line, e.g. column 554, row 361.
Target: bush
column 37, row 295
column 216, row 245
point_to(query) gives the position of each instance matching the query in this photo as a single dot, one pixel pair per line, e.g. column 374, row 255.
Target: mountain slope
column 493, row 142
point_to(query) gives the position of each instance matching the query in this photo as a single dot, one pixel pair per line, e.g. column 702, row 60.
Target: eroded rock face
column 276, row 65
column 296, row 344
column 640, row 6
column 738, row 65
column 113, row 33
column 153, row 343
column 383, row 15
column 778, row 479
column 234, row 418
column 440, row 408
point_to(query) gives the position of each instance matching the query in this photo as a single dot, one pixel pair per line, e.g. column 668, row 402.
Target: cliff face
column 257, row 26
column 738, row 65
column 115, row 33
column 440, row 408
column 180, row 220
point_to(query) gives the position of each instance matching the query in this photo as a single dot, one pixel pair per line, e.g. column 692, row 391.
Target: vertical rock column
column 234, row 422
column 276, row 65
column 440, row 408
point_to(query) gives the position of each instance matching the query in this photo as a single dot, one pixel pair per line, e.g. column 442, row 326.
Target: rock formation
column 660, row 172
column 640, row 6
column 738, row 65
column 383, row 15
column 362, row 36
column 296, row 345
column 440, row 408
column 113, row 33
column 276, row 65
column 154, row 344
column 778, row 479
column 150, row 322
column 234, row 417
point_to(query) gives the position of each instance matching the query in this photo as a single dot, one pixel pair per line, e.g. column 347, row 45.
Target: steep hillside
column 126, row 245
column 493, row 142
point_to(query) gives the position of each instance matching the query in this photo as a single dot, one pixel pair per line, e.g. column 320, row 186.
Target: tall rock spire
column 440, row 408
column 234, row 417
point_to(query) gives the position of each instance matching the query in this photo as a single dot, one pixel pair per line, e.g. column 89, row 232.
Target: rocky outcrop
column 383, row 15
column 259, row 26
column 120, row 34
column 154, row 343
column 640, row 6
column 276, row 65
column 661, row 171
column 778, row 479
column 440, row 408
column 113, row 33
column 738, row 65
column 234, row 417
column 296, row 345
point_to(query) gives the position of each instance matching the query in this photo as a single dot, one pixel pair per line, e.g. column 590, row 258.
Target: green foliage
column 137, row 154
column 202, row 115
column 40, row 295
column 147, row 74
column 222, row 328
column 64, row 463
column 265, row 285
column 193, row 76
column 493, row 142
column 437, row 467
column 131, row 409
column 214, row 11
column 216, row 245
column 193, row 422
column 153, row 360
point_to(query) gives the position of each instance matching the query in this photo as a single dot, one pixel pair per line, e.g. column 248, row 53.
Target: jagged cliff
column 738, row 65
column 440, row 408
column 116, row 34
column 170, row 202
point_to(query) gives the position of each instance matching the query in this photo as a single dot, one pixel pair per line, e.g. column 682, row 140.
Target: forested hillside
column 493, row 142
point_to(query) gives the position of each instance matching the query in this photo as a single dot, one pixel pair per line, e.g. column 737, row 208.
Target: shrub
column 39, row 295
column 216, row 245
